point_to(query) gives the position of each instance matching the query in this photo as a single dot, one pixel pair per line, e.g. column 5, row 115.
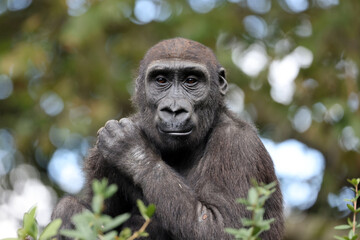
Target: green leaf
column 142, row 208
column 150, row 210
column 30, row 226
column 342, row 227
column 116, row 222
column 143, row 234
column 87, row 225
column 247, row 222
column 21, row 233
column 29, row 218
column 350, row 207
column 232, row 231
column 97, row 204
column 340, row 238
column 104, row 182
column 72, row 234
column 262, row 200
column 354, row 181
column 96, row 186
column 242, row 201
column 351, row 234
column 349, row 221
column 258, row 214
column 252, row 196
column 270, row 186
column 110, row 236
column 125, row 233
column 266, row 223
column 111, row 190
column 51, row 229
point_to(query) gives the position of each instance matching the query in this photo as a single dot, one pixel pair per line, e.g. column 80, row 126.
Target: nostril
column 174, row 112
column 179, row 115
column 180, row 111
column 167, row 110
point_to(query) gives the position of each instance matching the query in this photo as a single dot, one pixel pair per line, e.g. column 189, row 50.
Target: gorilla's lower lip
column 176, row 133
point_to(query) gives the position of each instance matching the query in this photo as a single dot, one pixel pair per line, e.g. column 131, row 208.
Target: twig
column 141, row 230
column 354, row 217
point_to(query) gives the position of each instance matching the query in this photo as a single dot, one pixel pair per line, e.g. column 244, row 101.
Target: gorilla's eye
column 161, row 81
column 191, row 81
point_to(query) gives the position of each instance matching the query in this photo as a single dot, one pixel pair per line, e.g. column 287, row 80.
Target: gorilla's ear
column 222, row 81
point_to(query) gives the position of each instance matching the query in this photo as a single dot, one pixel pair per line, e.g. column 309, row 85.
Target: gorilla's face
column 177, row 92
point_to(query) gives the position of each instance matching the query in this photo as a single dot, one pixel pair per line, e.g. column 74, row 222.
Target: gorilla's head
column 179, row 92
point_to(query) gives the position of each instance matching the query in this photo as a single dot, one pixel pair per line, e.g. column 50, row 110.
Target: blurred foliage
column 71, row 68
column 30, row 228
column 255, row 201
column 92, row 225
column 88, row 224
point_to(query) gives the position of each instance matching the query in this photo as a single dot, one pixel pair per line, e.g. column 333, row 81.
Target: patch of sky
column 251, row 60
column 202, row 6
column 255, row 26
column 17, row 5
column 7, row 151
column 259, row 6
column 51, row 103
column 147, row 11
column 65, row 169
column 300, row 170
column 294, row 6
column 77, row 7
column 6, row 87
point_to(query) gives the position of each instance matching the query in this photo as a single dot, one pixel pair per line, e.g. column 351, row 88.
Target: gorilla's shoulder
column 231, row 122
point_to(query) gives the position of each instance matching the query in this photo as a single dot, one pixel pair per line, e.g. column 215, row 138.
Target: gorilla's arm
column 96, row 167
column 239, row 156
column 179, row 209
column 201, row 211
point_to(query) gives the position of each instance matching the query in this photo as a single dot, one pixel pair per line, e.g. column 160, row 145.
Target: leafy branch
column 95, row 225
column 30, row 228
column 351, row 224
column 89, row 225
column 146, row 212
column 257, row 196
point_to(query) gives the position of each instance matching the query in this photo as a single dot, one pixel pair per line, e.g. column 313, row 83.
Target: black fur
column 183, row 151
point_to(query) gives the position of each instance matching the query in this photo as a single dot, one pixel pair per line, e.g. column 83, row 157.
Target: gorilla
column 183, row 150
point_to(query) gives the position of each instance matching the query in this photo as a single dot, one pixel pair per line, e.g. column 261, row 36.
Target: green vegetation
column 352, row 224
column 255, row 201
column 89, row 225
column 30, row 228
column 93, row 225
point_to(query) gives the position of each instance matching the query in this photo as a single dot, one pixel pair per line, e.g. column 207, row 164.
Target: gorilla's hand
column 122, row 144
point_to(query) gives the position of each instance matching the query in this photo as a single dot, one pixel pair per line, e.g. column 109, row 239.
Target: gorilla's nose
column 171, row 114
column 174, row 112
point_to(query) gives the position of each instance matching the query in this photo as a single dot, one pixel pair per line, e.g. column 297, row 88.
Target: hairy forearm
column 178, row 204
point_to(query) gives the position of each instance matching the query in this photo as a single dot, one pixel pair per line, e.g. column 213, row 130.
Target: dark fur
column 194, row 182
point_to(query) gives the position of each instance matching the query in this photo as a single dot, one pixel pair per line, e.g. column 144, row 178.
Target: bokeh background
column 66, row 67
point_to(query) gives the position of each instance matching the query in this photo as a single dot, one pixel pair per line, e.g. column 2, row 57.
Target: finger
column 127, row 125
column 112, row 125
column 98, row 132
column 125, row 122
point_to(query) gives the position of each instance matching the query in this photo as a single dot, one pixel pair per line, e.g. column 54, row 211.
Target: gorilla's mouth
column 176, row 133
